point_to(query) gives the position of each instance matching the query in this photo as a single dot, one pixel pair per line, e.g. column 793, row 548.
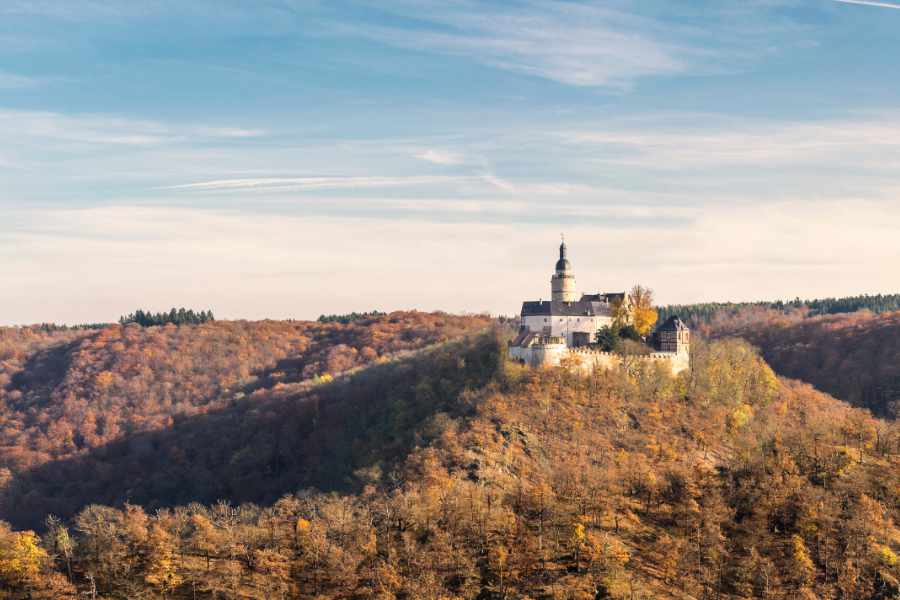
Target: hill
column 469, row 476
column 706, row 312
column 855, row 356
column 70, row 396
column 848, row 347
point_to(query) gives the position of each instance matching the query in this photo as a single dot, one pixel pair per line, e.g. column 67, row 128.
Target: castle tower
column 562, row 283
column 674, row 336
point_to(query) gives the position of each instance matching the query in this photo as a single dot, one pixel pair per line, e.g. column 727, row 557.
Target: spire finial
column 562, row 246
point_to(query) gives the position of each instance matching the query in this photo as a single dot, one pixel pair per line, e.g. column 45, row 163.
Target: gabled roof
column 590, row 305
column 673, row 323
column 525, row 336
column 535, row 307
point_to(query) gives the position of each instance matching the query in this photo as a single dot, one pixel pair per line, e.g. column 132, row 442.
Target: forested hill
column 461, row 475
column 848, row 347
column 701, row 314
column 855, row 357
column 71, row 394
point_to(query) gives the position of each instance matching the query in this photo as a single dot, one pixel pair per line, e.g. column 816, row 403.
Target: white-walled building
column 566, row 326
column 565, row 315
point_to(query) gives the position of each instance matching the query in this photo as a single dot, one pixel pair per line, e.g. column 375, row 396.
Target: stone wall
column 588, row 359
column 539, row 355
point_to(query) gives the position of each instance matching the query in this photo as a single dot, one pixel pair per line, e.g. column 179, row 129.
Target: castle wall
column 566, row 326
column 589, row 359
column 539, row 355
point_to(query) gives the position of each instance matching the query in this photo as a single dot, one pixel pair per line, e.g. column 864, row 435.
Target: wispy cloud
column 314, row 183
column 106, row 129
column 870, row 3
column 683, row 143
column 440, row 157
column 565, row 42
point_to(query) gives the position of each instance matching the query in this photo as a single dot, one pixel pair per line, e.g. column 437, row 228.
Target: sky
column 288, row 158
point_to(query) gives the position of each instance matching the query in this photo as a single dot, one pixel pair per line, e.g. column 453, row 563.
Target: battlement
column 587, row 359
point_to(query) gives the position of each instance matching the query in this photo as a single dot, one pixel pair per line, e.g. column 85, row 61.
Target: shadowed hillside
column 82, row 395
column 330, row 436
column 855, row 357
column 465, row 476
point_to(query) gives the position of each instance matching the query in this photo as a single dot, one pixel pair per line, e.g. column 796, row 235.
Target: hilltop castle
column 566, row 326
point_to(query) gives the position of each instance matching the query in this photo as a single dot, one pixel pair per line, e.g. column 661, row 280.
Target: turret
column 562, row 283
column 674, row 336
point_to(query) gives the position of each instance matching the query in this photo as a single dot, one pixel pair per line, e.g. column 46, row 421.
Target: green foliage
column 53, row 327
column 630, row 332
column 614, row 338
column 175, row 316
column 608, row 339
column 350, row 317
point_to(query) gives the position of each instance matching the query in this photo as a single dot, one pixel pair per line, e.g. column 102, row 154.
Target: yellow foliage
column 887, row 556
column 804, row 567
column 643, row 315
column 578, row 534
column 740, row 416
column 162, row 571
column 104, row 380
column 21, row 557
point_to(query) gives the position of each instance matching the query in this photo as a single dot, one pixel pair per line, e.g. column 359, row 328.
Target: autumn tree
column 640, row 305
column 161, row 568
column 21, row 557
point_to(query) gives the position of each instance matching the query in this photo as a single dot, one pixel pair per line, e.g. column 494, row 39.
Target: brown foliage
column 725, row 482
column 67, row 395
column 854, row 356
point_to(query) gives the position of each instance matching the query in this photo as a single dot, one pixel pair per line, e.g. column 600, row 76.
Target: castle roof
column 524, row 338
column 673, row 323
column 590, row 305
column 535, row 307
column 563, row 263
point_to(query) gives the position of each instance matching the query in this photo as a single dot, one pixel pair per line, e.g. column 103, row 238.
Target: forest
column 708, row 311
column 443, row 472
column 68, row 397
column 175, row 316
column 853, row 356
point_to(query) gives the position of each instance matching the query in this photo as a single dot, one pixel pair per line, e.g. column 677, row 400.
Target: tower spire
column 562, row 283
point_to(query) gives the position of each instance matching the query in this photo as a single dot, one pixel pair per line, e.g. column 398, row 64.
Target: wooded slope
column 854, row 356
column 97, row 409
column 727, row 482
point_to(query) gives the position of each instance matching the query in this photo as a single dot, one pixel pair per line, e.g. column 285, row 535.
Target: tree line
column 707, row 311
column 350, row 317
column 175, row 316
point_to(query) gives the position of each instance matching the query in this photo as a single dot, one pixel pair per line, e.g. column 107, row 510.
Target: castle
column 566, row 326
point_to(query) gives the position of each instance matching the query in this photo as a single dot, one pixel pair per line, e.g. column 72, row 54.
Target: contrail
column 870, row 3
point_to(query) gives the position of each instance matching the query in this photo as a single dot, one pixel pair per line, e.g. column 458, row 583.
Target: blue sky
column 286, row 158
